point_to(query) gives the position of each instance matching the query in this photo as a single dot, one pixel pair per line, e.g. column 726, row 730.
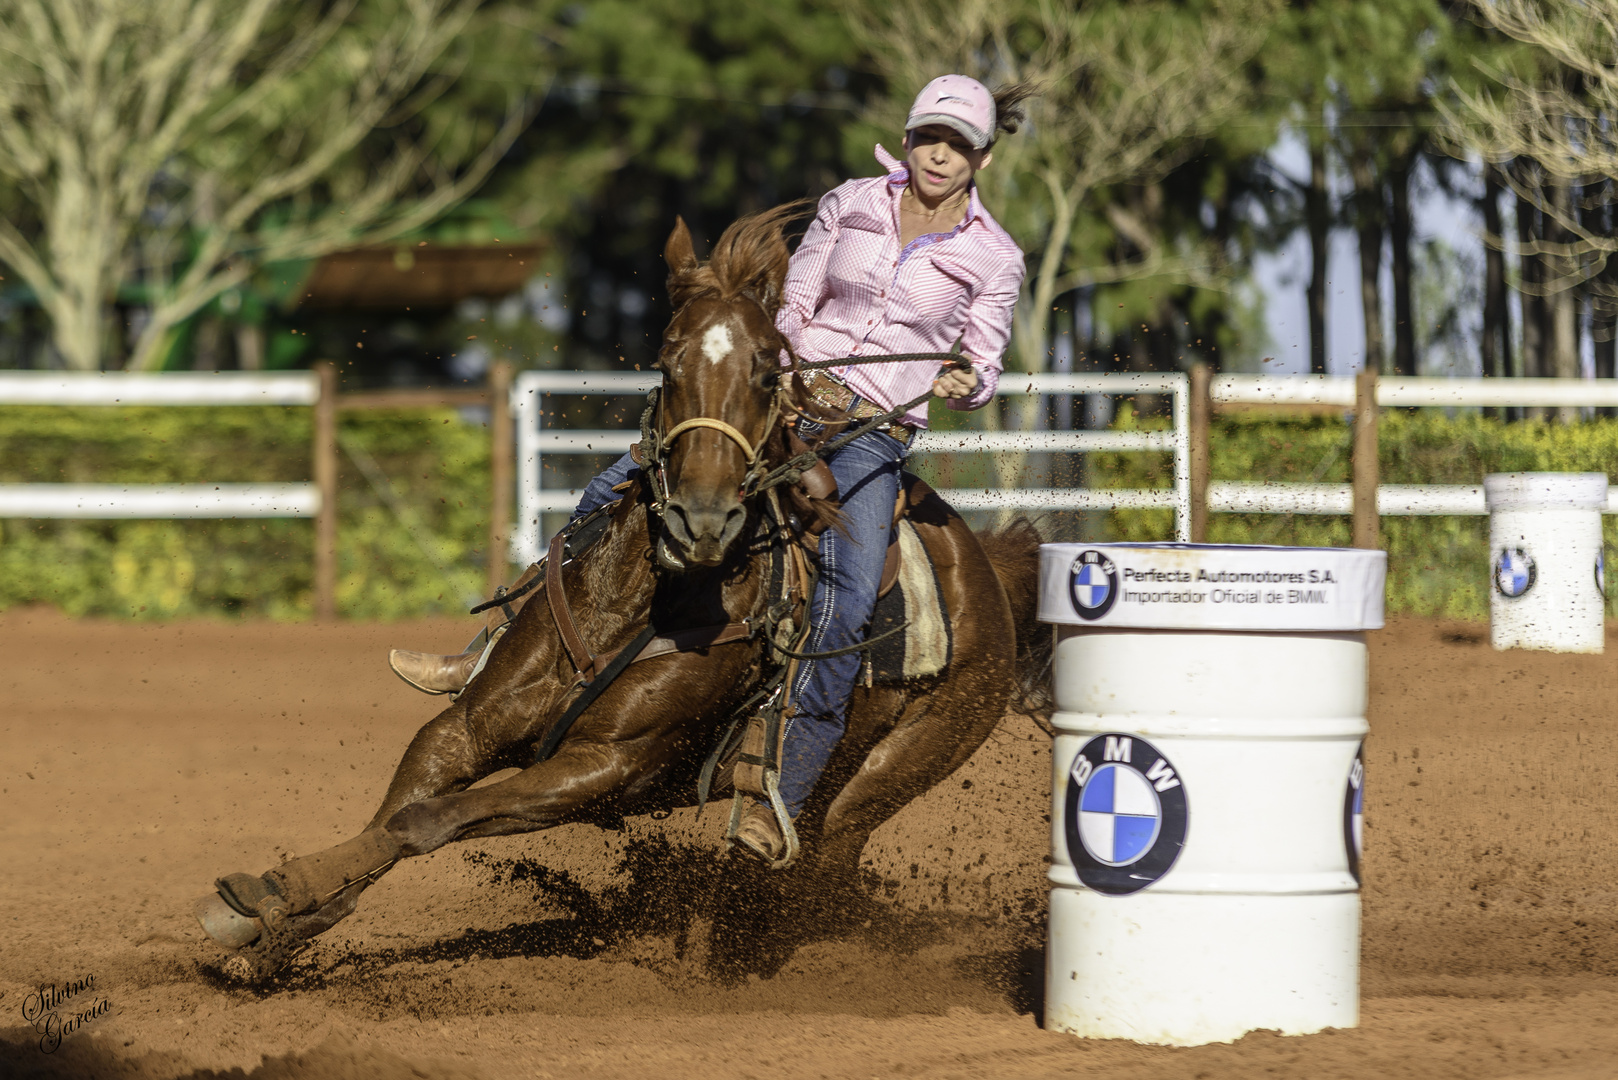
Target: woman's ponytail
column 1008, row 110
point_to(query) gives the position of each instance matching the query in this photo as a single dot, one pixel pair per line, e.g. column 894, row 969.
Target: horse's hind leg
column 934, row 737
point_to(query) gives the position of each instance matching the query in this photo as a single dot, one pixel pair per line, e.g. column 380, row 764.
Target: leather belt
column 832, row 392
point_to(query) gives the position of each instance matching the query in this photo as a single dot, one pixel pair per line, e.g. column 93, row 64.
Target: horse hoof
column 225, row 925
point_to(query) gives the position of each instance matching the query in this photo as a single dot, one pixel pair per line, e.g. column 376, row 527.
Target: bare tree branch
column 1561, row 114
column 189, row 142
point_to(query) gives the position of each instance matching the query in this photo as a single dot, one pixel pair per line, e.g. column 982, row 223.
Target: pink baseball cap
column 962, row 103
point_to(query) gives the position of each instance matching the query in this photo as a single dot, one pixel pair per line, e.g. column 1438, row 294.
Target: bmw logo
column 1514, row 572
column 1354, row 813
column 1126, row 814
column 1093, row 584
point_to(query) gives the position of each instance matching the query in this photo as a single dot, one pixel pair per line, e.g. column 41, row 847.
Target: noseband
column 656, row 445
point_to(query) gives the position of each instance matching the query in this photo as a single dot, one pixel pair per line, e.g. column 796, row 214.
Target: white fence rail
column 161, row 388
column 1392, row 391
column 534, row 442
column 158, row 500
column 1392, row 500
column 1409, row 391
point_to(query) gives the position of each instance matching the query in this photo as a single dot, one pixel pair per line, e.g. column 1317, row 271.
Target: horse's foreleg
column 312, row 893
column 446, row 755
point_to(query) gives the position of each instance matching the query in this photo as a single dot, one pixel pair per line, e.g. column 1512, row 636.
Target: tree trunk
column 1530, row 276
column 207, row 344
column 82, row 237
column 76, row 329
column 1563, row 305
column 1317, row 201
column 1369, row 214
column 1604, row 304
column 1496, row 343
column 1404, row 325
column 249, row 347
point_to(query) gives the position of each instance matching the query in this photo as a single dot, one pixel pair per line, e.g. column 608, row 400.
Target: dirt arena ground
column 138, row 763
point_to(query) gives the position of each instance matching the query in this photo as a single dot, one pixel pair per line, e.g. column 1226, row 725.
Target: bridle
column 656, row 444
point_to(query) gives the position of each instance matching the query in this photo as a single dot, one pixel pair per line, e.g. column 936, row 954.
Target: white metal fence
column 534, row 500
column 1397, row 392
column 1409, row 391
column 46, row 500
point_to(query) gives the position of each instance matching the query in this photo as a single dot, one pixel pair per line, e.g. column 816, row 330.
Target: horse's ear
column 678, row 252
column 682, row 260
column 770, row 290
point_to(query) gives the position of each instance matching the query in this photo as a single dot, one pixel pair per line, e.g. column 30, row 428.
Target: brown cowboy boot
column 434, row 673
column 760, row 833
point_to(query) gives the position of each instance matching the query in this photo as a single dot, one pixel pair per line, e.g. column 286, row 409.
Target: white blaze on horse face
column 716, row 343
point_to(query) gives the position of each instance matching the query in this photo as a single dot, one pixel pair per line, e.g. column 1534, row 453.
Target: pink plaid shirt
column 850, row 291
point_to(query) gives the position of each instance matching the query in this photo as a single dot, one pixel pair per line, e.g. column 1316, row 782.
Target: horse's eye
column 770, row 379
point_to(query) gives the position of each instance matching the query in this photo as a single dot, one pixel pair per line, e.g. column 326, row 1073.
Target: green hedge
column 427, row 559
column 421, row 551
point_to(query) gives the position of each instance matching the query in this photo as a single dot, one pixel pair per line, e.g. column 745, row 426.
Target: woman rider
column 901, row 263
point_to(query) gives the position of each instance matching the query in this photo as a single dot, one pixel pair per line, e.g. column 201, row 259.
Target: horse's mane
column 749, row 260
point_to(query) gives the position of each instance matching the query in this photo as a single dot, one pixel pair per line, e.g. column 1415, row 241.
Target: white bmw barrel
column 1207, row 787
column 1547, row 578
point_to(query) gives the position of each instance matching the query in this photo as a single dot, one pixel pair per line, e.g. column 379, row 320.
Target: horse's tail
column 1013, row 551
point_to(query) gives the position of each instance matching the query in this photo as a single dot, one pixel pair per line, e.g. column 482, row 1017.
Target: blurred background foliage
column 413, row 525
column 1155, row 128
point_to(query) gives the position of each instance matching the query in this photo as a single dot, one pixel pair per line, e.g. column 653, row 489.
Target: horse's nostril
column 676, row 522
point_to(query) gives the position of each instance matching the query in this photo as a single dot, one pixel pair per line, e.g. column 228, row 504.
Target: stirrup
column 789, row 835
column 483, row 657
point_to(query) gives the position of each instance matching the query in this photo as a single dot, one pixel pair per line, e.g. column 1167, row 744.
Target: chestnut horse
column 639, row 747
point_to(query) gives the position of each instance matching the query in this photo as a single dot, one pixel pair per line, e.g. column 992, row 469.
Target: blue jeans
column 598, row 492
column 867, row 474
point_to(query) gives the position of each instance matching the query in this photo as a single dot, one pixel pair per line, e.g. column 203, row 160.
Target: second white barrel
column 1547, row 578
